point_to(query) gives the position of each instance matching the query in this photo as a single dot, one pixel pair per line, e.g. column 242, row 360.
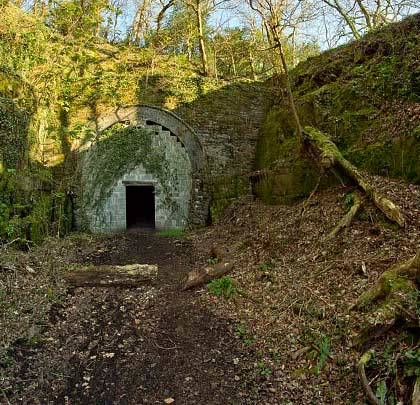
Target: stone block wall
column 227, row 122
column 172, row 199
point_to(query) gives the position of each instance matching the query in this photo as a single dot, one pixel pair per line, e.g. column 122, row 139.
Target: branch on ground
column 364, row 360
column 346, row 220
column 202, row 276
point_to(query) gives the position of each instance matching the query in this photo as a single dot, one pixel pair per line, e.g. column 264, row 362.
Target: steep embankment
column 366, row 96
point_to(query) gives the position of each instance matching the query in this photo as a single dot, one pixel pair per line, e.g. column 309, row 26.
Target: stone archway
column 181, row 144
column 140, row 115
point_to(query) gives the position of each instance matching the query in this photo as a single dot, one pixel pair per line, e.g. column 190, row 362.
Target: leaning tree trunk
column 330, row 156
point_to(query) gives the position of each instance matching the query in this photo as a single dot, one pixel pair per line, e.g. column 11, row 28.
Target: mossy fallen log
column 390, row 300
column 206, row 274
column 131, row 275
column 330, row 156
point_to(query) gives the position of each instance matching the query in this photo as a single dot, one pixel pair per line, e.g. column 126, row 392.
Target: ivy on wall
column 119, row 150
column 13, row 133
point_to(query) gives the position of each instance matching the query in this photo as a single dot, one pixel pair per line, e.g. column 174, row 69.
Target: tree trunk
column 277, row 39
column 131, row 275
column 330, row 156
column 346, row 17
column 202, row 46
column 139, row 23
column 251, row 64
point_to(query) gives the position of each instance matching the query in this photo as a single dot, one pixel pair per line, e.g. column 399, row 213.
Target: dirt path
column 137, row 346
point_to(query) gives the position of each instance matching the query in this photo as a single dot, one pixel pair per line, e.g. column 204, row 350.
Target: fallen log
column 202, row 276
column 330, row 156
column 131, row 275
column 346, row 220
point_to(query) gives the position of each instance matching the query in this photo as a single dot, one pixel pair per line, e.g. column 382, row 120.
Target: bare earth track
column 135, row 346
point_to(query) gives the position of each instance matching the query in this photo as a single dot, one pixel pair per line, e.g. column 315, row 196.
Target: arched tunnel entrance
column 158, row 184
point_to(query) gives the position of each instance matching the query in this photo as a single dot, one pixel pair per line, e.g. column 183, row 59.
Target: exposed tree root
column 202, row 276
column 399, row 277
column 397, row 288
column 415, row 398
column 131, row 275
column 330, row 156
column 362, row 376
column 346, row 220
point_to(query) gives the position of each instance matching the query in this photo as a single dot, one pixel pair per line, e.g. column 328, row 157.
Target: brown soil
column 135, row 346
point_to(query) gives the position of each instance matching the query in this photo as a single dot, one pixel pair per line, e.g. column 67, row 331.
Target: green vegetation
column 266, row 267
column 212, row 261
column 411, row 363
column 31, row 208
column 222, row 287
column 245, row 335
column 265, row 370
column 172, row 233
column 348, row 201
column 323, row 345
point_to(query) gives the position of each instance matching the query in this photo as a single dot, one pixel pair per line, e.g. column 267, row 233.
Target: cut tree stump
column 130, row 275
column 330, row 156
column 202, row 276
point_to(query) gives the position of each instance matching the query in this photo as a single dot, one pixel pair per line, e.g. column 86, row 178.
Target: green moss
column 13, row 133
column 30, row 209
column 292, row 176
column 224, row 191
